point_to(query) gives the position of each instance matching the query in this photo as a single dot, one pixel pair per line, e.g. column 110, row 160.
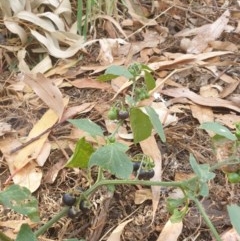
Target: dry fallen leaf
column 89, row 83
column 5, row 128
column 171, row 231
column 203, row 114
column 72, row 111
column 117, row 232
column 205, row 101
column 142, row 195
column 150, row 148
column 230, row 235
column 53, row 171
column 47, row 90
column 205, row 34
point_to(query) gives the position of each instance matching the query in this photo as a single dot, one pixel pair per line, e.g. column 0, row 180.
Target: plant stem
column 47, row 225
column 206, row 219
column 98, row 184
column 133, row 182
column 4, row 237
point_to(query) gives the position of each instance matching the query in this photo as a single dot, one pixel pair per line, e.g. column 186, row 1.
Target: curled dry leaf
column 206, row 34
column 230, row 235
column 171, row 231
column 205, row 101
column 142, row 195
column 47, row 90
column 108, row 50
column 117, row 232
column 150, row 148
column 89, row 83
column 5, row 128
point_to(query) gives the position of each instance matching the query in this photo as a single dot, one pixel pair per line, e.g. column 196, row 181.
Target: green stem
column 4, row 237
column 133, row 182
column 95, row 186
column 47, row 225
column 206, row 219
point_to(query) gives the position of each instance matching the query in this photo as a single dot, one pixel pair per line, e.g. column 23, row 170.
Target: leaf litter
column 157, row 41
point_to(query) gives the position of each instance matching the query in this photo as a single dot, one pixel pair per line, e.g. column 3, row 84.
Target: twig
column 33, row 139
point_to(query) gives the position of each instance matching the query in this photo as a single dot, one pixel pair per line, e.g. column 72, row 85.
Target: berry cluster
column 70, row 201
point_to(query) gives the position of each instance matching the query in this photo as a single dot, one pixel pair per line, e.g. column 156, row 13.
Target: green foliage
column 233, row 177
column 218, row 129
column 177, row 216
column 234, row 214
column 88, row 126
column 81, row 154
column 173, row 204
column 106, row 77
column 26, row 233
column 154, row 118
column 112, row 157
column 119, row 71
column 20, row 200
column 238, row 130
column 149, row 80
column 203, row 173
column 140, row 124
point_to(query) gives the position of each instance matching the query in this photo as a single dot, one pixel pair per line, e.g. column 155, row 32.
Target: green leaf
column 81, row 155
column 218, row 129
column 173, row 204
column 88, row 126
column 20, row 200
column 119, row 71
column 26, row 233
column 177, row 216
column 237, row 130
column 140, row 124
column 203, row 189
column 234, row 214
column 202, row 171
column 154, row 118
column 149, row 80
column 106, row 77
column 112, row 157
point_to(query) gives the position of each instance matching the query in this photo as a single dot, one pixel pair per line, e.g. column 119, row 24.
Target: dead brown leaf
column 205, row 101
column 90, row 83
column 117, row 232
column 142, row 195
column 205, row 34
column 150, row 148
column 47, row 90
column 171, row 231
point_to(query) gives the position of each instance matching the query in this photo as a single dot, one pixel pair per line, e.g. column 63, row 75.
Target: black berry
column 122, row 114
column 68, row 199
column 136, row 166
column 145, row 175
column 84, row 205
column 72, row 212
